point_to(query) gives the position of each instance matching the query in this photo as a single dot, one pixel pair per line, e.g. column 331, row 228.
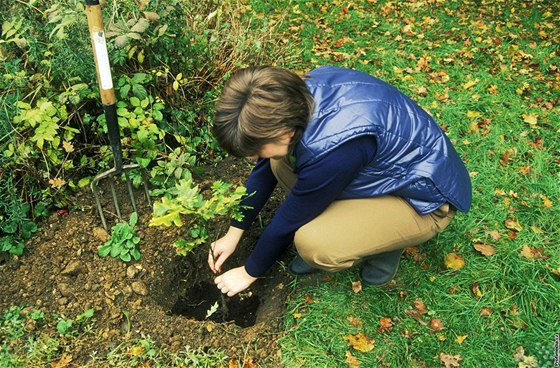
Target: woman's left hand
column 234, row 281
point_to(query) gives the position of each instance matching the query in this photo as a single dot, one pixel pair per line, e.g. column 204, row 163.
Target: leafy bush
column 185, row 203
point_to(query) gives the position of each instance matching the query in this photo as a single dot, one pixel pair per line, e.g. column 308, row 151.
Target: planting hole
column 199, row 302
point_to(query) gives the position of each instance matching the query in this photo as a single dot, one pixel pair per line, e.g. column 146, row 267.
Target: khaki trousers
column 351, row 229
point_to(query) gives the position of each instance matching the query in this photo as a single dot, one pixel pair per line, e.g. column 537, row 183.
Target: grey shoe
column 299, row 267
column 380, row 268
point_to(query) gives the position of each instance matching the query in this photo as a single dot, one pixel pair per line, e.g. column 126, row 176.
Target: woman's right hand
column 221, row 249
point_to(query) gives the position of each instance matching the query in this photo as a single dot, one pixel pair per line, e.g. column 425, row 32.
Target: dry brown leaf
column 385, row 324
column 494, row 234
column 233, row 364
column 356, row 322
column 352, row 361
column 453, row 261
column 357, row 286
column 360, row 342
column 64, row 360
column 486, row 311
column 450, row 360
column 420, row 306
column 436, row 324
column 533, row 254
column 248, row 363
column 485, row 249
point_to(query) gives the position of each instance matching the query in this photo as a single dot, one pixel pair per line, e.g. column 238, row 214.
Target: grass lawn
column 489, row 72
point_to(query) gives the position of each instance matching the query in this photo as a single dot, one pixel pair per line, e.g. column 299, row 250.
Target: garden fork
column 104, row 79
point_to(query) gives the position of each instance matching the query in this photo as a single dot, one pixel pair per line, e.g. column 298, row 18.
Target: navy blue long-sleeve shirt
column 317, row 186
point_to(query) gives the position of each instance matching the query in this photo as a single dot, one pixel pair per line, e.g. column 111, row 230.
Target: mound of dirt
column 167, row 297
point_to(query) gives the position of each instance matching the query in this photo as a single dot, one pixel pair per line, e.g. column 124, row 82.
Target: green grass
column 481, row 68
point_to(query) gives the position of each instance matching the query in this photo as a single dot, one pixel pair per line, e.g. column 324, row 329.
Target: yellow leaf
column 137, row 350
column 470, row 84
column 473, row 114
column 352, row 361
column 57, row 183
column 513, row 224
column 530, row 119
column 546, row 202
column 68, row 147
column 360, row 342
column 460, row 339
column 454, row 261
column 296, row 315
column 175, row 85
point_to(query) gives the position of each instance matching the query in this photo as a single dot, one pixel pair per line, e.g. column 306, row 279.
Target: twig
column 223, row 303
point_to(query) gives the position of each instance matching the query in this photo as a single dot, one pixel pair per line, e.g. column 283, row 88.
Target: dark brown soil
column 166, row 296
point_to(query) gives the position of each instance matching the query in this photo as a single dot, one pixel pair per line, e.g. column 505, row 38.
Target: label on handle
column 103, row 65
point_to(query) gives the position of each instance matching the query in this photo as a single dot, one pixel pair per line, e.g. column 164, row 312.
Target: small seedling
column 123, row 243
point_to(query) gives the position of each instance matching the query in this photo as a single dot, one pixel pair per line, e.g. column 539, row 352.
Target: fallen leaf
column 470, row 84
column 476, row 290
column 420, row 306
column 533, row 254
column 546, row 202
column 248, row 363
column 296, row 315
column 385, row 324
column 453, row 261
column 357, row 286
column 485, row 249
column 485, row 312
column 233, row 364
column 436, row 324
column 530, row 119
column 352, row 361
column 360, row 342
column 64, row 360
column 494, row 234
column 450, row 360
column 137, row 350
column 308, row 299
column 356, row 322
column 460, row 339
column 513, row 224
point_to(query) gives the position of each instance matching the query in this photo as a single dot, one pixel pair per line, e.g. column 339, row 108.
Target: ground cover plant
column 483, row 293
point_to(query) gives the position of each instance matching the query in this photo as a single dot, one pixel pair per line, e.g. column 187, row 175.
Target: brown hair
column 258, row 105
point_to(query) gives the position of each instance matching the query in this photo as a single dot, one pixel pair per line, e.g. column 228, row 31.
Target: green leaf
column 139, row 91
column 125, row 257
column 104, row 250
column 134, row 101
column 115, row 251
column 133, row 219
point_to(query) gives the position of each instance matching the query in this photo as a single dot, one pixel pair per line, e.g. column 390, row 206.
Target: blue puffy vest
column 414, row 158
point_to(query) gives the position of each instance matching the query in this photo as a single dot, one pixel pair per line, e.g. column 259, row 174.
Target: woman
column 368, row 172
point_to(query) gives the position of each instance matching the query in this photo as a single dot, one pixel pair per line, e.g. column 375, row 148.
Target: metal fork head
column 110, row 175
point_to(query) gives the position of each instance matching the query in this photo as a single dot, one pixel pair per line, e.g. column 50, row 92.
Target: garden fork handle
column 104, row 79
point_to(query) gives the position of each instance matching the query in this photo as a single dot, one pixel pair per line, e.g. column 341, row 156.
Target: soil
column 167, row 296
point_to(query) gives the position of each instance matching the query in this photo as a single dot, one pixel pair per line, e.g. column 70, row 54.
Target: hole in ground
column 203, row 298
